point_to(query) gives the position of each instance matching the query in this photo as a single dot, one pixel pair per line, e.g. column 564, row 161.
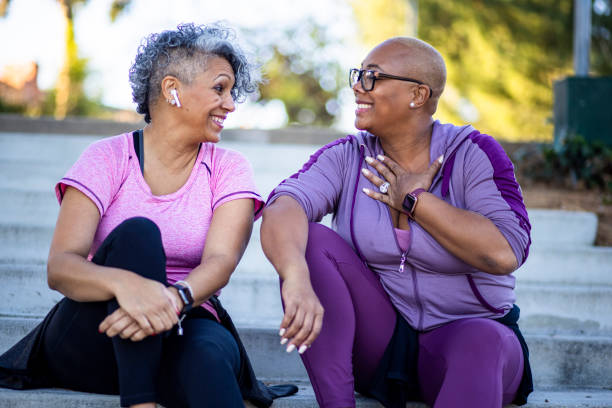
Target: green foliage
column 11, row 108
column 502, row 56
column 601, row 56
column 576, row 163
column 117, row 8
column 68, row 97
column 305, row 78
column 379, row 20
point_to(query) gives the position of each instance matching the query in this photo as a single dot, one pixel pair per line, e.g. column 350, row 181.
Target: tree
column 306, row 78
column 502, row 57
column 69, row 95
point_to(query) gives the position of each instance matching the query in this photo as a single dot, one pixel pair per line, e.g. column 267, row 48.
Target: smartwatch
column 410, row 201
column 185, row 295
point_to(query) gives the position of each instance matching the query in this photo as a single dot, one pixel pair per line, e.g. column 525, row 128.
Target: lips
column 218, row 120
column 362, row 107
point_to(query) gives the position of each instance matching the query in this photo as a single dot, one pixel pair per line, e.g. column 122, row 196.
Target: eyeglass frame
column 379, row 75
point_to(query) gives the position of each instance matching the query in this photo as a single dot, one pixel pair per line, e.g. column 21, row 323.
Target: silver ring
column 384, row 187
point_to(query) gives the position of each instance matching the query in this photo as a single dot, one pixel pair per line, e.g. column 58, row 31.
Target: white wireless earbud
column 175, row 96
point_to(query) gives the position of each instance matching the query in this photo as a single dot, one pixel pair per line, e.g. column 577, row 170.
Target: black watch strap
column 185, row 295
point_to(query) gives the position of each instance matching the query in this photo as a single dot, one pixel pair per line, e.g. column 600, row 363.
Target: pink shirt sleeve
column 97, row 173
column 232, row 178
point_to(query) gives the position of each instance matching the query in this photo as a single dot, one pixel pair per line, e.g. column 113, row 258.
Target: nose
column 357, row 88
column 229, row 104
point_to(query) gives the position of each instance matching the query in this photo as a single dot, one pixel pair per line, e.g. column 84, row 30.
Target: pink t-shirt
column 108, row 172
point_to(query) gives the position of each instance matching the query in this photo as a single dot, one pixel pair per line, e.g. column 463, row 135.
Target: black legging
column 198, row 369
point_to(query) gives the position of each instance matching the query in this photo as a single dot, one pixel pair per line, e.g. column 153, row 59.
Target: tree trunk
column 64, row 86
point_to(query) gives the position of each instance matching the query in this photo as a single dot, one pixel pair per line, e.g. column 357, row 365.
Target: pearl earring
column 171, row 101
column 412, row 104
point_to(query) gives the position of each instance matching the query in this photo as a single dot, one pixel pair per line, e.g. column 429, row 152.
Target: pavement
column 564, row 289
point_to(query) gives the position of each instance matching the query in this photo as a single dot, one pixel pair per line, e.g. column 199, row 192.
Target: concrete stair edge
column 60, row 398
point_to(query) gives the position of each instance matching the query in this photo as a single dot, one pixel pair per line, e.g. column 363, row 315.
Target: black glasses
column 368, row 79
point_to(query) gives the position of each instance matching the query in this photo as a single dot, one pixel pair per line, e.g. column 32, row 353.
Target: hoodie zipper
column 403, row 262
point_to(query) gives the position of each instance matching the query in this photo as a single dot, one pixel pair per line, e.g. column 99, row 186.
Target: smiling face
column 386, row 107
column 206, row 100
column 388, row 103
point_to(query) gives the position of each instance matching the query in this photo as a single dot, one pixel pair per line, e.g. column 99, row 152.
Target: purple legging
column 467, row 363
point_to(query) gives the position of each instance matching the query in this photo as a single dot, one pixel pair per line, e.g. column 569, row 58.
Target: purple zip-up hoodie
column 428, row 285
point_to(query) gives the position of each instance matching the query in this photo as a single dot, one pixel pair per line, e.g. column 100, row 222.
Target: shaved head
column 414, row 58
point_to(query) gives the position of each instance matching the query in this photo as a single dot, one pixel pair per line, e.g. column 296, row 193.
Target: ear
column 167, row 84
column 420, row 95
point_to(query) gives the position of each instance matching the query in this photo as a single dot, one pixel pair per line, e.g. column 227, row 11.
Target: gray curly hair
column 183, row 53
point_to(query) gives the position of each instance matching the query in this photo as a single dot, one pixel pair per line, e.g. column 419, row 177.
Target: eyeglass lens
column 367, row 78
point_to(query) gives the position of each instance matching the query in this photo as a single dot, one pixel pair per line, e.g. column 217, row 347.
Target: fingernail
column 154, row 334
column 284, row 340
column 366, row 190
column 380, row 157
column 368, row 159
column 365, row 171
column 302, row 349
column 100, row 331
column 441, row 159
column 290, row 348
column 282, row 331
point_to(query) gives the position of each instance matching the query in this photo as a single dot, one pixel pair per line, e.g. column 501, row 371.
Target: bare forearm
column 82, row 280
column 469, row 236
column 210, row 276
column 284, row 235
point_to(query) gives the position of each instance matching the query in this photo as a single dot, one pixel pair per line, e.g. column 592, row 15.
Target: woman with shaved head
column 411, row 295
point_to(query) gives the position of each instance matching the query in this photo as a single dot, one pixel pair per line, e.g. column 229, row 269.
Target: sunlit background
column 502, row 55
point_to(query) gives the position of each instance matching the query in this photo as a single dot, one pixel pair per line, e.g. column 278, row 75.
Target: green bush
column 576, row 163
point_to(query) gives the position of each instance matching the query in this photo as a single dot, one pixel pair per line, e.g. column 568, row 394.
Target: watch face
column 409, row 202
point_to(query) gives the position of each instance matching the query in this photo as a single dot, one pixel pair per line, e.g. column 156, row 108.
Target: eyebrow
column 223, row 74
column 369, row 66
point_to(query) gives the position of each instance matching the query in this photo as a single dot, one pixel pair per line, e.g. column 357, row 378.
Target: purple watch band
column 418, row 192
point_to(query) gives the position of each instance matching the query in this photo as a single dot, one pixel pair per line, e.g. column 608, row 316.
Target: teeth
column 364, row 105
column 218, row 120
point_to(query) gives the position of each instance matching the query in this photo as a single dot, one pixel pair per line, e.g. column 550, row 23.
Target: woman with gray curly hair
column 141, row 317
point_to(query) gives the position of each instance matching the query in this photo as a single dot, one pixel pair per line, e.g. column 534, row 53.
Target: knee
column 138, row 227
column 218, row 358
column 137, row 232
column 484, row 338
column 320, row 238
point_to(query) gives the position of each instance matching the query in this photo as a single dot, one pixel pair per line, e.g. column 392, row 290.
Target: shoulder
column 347, row 144
column 224, row 159
column 223, row 163
column 115, row 147
column 224, row 154
column 483, row 147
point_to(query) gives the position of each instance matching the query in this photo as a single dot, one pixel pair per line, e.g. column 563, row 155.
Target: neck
column 169, row 144
column 408, row 145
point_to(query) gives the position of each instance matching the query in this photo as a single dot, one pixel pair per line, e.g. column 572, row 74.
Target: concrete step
column 59, row 398
column 251, row 298
column 565, row 308
column 40, row 207
column 25, row 241
column 254, row 298
column 575, row 265
column 559, row 227
column 557, row 361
